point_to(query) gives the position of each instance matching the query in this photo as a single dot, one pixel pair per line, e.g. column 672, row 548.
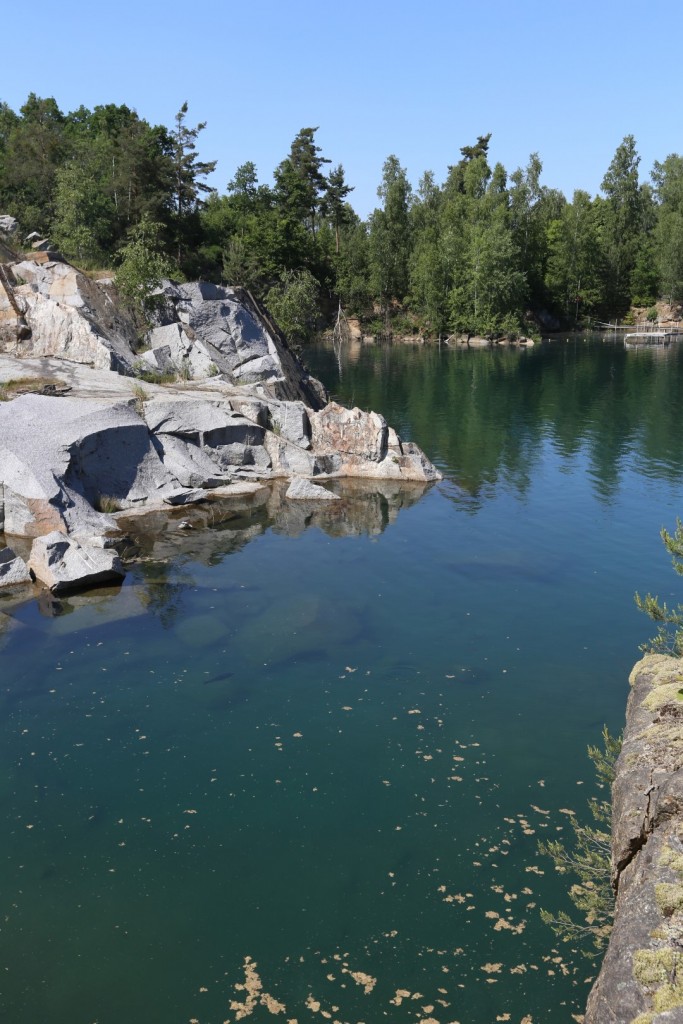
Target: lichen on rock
column 642, row 973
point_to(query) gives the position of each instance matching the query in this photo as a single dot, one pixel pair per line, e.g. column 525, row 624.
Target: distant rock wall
column 641, row 979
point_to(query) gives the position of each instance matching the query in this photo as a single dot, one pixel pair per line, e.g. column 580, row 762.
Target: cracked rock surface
column 641, row 979
column 88, row 440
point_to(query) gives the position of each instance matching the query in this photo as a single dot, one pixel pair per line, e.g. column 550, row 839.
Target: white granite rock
column 185, row 496
column 60, row 457
column 172, row 350
column 13, row 569
column 61, row 563
column 290, row 420
column 8, row 225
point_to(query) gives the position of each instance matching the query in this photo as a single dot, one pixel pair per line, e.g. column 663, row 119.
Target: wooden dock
column 652, row 337
column 646, row 333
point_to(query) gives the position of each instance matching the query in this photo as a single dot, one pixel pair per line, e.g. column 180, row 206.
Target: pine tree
column 334, row 205
column 299, row 180
column 187, row 170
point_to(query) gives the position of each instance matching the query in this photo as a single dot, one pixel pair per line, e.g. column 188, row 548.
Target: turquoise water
column 332, row 747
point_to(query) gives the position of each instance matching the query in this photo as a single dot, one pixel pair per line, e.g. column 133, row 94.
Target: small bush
column 152, row 376
column 588, row 858
column 106, row 503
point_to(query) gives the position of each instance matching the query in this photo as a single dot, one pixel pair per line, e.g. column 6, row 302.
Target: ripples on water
column 330, row 742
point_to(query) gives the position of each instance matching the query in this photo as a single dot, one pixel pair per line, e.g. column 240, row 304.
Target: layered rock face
column 244, row 412
column 641, row 979
column 49, row 308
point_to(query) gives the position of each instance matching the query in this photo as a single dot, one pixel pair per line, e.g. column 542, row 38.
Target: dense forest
column 486, row 252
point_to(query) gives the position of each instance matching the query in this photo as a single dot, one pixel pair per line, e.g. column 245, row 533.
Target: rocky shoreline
column 86, row 445
column 641, row 979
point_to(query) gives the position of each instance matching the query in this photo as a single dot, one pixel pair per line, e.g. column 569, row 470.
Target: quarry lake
column 314, row 757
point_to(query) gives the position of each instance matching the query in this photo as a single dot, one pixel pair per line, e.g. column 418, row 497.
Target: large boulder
column 61, row 458
column 219, row 330
column 209, row 423
column 13, row 569
column 366, row 447
column 242, row 345
column 189, row 463
column 349, row 432
column 61, row 563
column 290, row 420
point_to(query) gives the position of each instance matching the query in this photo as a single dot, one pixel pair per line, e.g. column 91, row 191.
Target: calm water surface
column 331, row 746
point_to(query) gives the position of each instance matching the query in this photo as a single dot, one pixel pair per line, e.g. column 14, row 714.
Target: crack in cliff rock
column 638, row 843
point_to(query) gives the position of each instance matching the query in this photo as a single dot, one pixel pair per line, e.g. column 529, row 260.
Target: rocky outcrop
column 641, row 979
column 366, row 446
column 50, row 308
column 89, row 441
column 9, row 226
column 62, row 564
column 60, row 312
column 69, row 464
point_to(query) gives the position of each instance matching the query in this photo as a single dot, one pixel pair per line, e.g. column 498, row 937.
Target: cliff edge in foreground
column 641, row 980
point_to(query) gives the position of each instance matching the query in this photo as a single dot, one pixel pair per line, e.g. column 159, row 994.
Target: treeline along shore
column 473, row 249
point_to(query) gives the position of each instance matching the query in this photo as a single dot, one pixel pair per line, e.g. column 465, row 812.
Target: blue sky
column 418, row 79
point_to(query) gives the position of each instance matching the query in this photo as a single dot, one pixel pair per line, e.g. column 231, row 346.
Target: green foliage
column 294, row 304
column 334, row 205
column 351, row 267
column 300, row 182
column 645, row 275
column 151, row 376
column 34, row 146
column 142, row 268
column 588, row 859
column 390, row 236
column 10, row 389
column 669, row 636
column 621, row 220
column 187, row 171
column 473, row 254
column 574, row 278
column 83, row 221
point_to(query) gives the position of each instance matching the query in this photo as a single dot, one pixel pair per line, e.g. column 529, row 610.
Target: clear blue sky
column 418, row 79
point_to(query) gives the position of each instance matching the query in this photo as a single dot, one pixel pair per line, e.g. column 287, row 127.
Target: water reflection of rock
column 7, row 624
column 206, row 533
column 163, row 544
column 365, row 508
column 201, row 533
